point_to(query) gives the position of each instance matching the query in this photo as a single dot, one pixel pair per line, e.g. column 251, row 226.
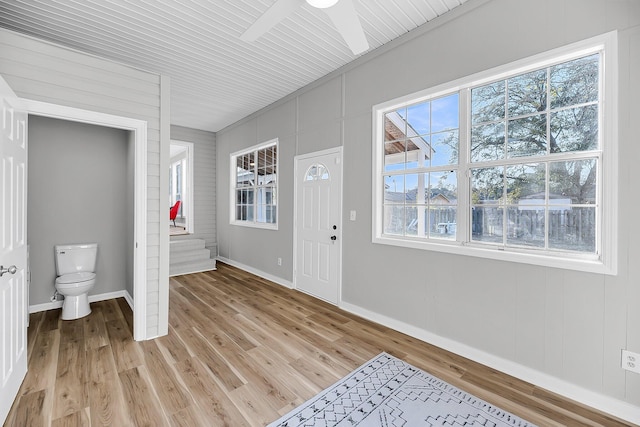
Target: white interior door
column 318, row 224
column 13, row 248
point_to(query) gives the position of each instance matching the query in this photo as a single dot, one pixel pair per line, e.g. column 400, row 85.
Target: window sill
column 255, row 225
column 554, row 260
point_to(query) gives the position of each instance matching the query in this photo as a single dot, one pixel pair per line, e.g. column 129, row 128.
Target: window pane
column 261, row 176
column 527, row 93
column 394, row 155
column 418, row 119
column 574, row 129
column 411, row 183
column 444, row 113
column 272, row 175
column 573, row 182
column 394, row 219
column 487, row 142
column 572, row 228
column 486, row 224
column 525, row 226
column 487, row 185
column 442, row 220
column 488, row 103
column 575, row 82
column 272, row 215
column 394, row 189
column 394, row 125
column 244, row 171
column 417, row 151
column 527, row 136
column 443, row 188
column 526, row 184
column 445, row 148
column 261, row 195
column 411, row 220
column 323, row 172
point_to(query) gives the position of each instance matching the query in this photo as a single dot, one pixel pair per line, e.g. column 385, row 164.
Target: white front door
column 318, row 224
column 13, row 248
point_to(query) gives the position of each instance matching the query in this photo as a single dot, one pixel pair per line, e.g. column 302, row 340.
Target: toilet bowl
column 75, row 265
column 75, row 287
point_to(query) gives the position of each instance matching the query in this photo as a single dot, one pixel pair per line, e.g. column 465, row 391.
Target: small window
column 255, row 185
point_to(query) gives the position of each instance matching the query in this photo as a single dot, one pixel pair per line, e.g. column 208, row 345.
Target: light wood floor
column 241, row 351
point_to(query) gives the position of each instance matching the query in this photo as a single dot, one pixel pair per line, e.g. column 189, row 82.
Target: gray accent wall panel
column 568, row 325
column 46, row 72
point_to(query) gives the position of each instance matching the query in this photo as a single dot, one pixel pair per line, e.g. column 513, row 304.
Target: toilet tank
column 76, row 258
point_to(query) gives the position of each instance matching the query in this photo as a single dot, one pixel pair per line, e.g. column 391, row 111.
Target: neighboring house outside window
column 516, row 164
column 254, row 186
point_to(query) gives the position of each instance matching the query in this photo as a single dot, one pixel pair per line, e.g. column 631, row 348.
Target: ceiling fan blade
column 276, row 13
column 345, row 18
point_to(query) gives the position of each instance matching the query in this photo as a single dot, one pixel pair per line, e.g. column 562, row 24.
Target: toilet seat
column 71, row 278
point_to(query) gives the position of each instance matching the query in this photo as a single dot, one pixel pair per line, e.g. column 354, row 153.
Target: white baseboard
column 610, row 405
column 92, row 298
column 270, row 277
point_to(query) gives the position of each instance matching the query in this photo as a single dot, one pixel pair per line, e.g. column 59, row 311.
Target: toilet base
column 75, row 307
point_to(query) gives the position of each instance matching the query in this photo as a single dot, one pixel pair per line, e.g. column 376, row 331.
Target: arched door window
column 317, row 172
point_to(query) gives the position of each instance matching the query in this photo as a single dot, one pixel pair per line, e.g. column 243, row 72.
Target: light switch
column 352, row 215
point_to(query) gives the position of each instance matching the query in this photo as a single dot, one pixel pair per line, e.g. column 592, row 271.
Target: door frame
column 335, row 151
column 139, row 132
column 188, row 206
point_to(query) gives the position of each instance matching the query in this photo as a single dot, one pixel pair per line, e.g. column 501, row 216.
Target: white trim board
column 603, row 403
column 139, row 130
column 92, row 298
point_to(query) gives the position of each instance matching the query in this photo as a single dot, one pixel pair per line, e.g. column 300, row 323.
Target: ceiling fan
column 341, row 12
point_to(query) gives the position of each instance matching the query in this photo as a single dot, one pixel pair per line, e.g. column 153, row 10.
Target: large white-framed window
column 517, row 163
column 254, row 186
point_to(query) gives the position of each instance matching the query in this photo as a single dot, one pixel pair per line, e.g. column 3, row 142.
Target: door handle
column 10, row 270
column 334, row 237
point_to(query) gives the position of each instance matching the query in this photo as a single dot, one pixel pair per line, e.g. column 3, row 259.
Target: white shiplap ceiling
column 216, row 78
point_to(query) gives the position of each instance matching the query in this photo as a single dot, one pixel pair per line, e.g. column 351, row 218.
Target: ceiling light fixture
column 322, row 4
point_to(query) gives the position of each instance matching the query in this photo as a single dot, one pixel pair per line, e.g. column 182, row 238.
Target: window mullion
column 255, row 185
column 464, row 176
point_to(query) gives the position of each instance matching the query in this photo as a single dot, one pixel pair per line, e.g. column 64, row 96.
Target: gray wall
column 78, row 180
column 254, row 247
column 43, row 71
column 566, row 325
column 204, row 183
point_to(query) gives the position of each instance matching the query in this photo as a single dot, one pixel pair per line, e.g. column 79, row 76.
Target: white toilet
column 75, row 266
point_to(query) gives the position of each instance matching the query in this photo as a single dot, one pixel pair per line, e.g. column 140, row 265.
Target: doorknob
column 10, row 270
column 333, row 237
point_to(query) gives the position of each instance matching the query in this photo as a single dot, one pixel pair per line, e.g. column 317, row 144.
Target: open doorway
column 137, row 249
column 181, row 187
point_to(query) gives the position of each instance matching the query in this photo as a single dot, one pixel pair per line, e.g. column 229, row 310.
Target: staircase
column 189, row 256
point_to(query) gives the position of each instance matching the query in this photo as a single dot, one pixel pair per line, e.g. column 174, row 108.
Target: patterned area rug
column 387, row 392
